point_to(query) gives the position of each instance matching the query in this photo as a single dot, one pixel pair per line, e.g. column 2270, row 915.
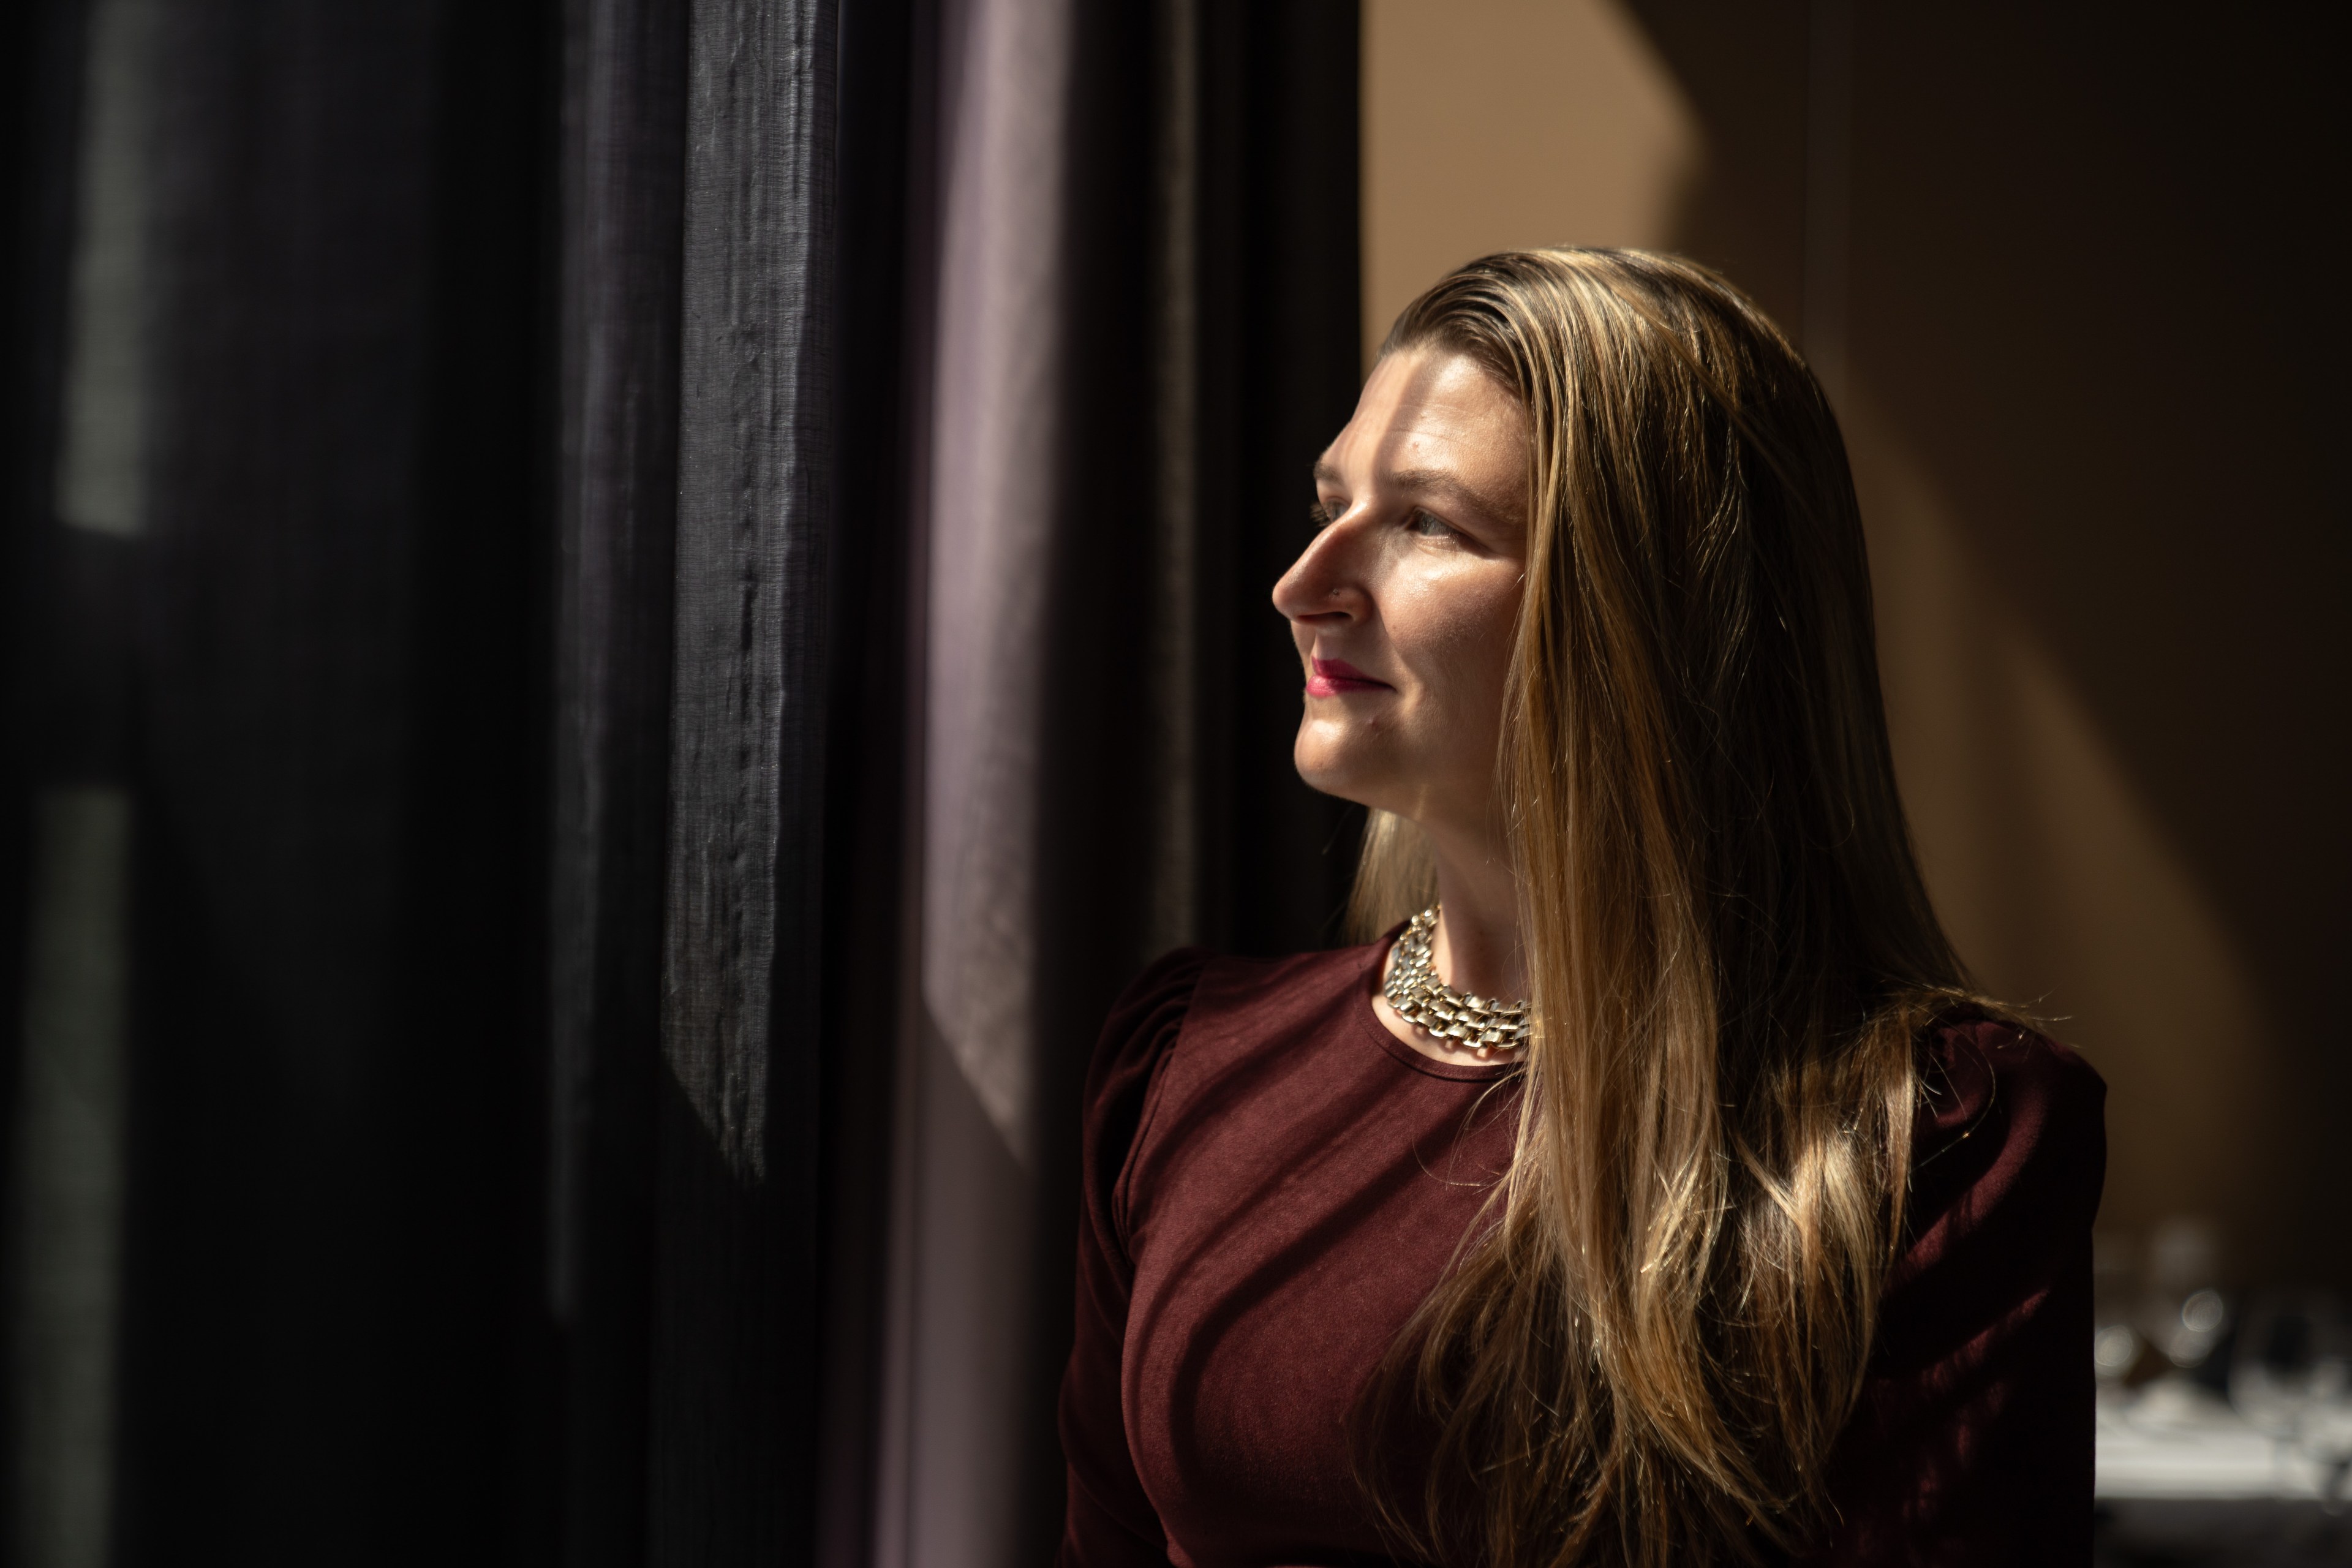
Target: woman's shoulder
column 2009, row 1145
column 1972, row 1438
column 1220, row 1002
column 1195, row 990
column 1982, row 1076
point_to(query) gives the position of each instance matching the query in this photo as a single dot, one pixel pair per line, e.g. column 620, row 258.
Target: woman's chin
column 1337, row 774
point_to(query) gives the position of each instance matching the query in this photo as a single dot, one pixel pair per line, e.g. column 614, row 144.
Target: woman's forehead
column 1433, row 417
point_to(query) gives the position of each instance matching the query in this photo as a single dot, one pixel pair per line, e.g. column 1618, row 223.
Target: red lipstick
column 1336, row 677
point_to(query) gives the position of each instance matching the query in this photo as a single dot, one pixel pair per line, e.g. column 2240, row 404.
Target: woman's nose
column 1324, row 581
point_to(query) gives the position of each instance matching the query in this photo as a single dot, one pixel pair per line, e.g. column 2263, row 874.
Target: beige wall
column 1495, row 124
column 2110, row 837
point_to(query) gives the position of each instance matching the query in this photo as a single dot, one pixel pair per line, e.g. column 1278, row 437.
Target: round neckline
column 1402, row 1050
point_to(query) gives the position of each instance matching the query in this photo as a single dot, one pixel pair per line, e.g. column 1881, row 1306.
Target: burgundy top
column 1274, row 1181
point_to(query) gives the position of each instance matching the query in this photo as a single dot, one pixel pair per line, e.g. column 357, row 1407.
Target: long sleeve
column 1973, row 1442
column 1110, row 1522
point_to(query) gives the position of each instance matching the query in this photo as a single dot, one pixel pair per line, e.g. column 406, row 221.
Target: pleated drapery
column 1138, row 340
column 271, row 555
column 996, row 428
column 656, row 604
column 1083, row 347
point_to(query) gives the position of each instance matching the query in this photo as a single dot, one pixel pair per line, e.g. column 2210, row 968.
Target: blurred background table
column 2183, row 1479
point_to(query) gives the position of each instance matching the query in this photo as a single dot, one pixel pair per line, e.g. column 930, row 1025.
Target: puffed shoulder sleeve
column 1111, row 1520
column 1973, row 1440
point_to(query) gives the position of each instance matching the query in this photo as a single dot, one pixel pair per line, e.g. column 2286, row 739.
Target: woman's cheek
column 1464, row 644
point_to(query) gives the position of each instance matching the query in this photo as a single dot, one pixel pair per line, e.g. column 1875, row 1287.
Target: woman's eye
column 1324, row 513
column 1427, row 524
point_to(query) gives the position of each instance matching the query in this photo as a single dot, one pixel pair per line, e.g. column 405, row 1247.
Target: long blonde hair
column 1646, row 1356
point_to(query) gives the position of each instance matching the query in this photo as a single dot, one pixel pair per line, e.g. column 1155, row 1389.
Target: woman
column 1750, row 1235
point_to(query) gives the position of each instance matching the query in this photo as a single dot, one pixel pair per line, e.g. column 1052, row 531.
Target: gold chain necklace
column 1421, row 998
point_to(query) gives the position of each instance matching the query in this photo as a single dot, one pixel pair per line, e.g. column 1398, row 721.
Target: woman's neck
column 1478, row 947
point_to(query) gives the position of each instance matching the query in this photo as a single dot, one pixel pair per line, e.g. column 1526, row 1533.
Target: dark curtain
column 292, row 660
column 564, row 1100
column 1125, row 368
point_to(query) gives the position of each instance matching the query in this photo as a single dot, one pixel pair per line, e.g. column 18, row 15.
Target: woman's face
column 1404, row 605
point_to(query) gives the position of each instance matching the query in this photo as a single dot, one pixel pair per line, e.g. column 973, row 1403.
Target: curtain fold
column 736, row 1299
column 698, row 612
column 334, row 772
column 997, row 424
column 1140, row 337
column 621, row 185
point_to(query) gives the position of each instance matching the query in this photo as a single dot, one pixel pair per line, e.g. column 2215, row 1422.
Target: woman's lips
column 1336, row 677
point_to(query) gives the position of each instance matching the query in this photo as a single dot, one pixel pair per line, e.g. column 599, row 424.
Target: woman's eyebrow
column 1436, row 482
column 1426, row 482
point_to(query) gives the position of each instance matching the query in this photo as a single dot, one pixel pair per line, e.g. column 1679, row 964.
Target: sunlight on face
column 1404, row 605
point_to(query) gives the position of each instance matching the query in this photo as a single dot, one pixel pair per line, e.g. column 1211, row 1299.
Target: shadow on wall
column 2108, row 665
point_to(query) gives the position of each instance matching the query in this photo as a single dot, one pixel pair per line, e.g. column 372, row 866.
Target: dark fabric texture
column 1274, row 1181
column 518, row 691
column 336, row 771
column 622, row 167
column 735, row 1308
column 1973, row 1440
